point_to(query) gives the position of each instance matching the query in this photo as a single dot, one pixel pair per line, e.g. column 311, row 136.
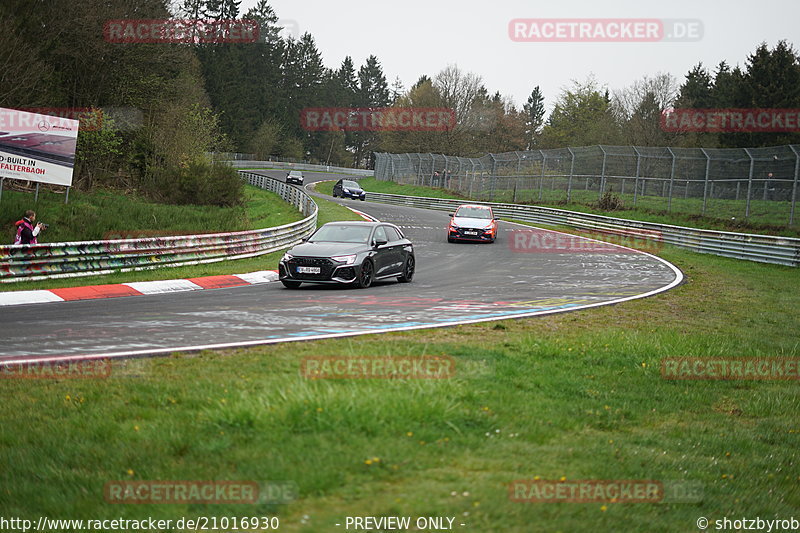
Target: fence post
column 472, row 181
column 571, row 170
column 749, row 184
column 794, row 185
column 636, row 179
column 671, row 179
column 602, row 173
column 541, row 178
column 493, row 177
column 519, row 161
column 705, row 185
column 1, row 188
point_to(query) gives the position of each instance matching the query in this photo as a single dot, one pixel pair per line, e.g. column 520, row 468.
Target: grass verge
column 576, row 395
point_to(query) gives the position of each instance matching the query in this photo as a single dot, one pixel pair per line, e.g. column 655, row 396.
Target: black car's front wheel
column 289, row 284
column 408, row 271
column 366, row 275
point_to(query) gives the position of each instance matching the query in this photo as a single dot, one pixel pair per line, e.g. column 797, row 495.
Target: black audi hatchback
column 349, row 253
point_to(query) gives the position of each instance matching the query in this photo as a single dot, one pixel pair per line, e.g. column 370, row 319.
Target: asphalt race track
column 454, row 283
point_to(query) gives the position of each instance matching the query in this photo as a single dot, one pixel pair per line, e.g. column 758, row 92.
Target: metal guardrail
column 748, row 246
column 300, row 166
column 72, row 259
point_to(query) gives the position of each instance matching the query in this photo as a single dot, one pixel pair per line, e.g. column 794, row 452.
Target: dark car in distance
column 294, row 176
column 349, row 189
column 349, row 253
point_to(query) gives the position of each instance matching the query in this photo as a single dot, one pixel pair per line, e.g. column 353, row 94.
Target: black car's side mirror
column 380, row 242
column 450, row 215
column 304, row 239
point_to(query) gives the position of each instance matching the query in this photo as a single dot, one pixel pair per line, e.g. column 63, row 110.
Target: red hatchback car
column 472, row 223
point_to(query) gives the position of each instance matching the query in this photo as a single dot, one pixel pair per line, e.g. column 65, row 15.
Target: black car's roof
column 356, row 223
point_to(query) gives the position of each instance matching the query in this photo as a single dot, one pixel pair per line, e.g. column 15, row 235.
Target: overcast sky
column 415, row 37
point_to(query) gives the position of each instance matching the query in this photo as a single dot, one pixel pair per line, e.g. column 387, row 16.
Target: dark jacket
column 25, row 232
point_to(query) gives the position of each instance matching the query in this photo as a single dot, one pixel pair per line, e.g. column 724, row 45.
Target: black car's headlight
column 287, row 257
column 346, row 259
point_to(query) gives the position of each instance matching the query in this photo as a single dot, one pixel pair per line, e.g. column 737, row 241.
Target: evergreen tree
column 534, row 116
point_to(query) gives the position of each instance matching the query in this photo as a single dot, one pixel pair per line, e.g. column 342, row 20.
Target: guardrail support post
column 749, row 184
column 671, row 179
column 571, row 170
column 705, row 185
column 794, row 185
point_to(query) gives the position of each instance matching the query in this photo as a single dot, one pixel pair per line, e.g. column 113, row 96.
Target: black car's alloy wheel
column 365, row 277
column 408, row 271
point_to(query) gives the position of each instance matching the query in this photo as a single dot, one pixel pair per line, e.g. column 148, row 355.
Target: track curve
column 454, row 283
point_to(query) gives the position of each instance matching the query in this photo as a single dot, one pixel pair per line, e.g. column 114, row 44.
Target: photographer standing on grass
column 26, row 232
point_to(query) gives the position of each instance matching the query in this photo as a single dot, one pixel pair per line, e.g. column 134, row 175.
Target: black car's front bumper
column 295, row 181
column 330, row 270
column 354, row 195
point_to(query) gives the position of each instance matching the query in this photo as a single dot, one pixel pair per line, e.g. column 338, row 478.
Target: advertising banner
column 37, row 147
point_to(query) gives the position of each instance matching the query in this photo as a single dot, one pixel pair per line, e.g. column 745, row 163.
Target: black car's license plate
column 308, row 270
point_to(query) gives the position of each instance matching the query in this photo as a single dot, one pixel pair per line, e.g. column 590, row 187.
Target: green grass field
column 107, row 215
column 263, row 209
column 576, row 395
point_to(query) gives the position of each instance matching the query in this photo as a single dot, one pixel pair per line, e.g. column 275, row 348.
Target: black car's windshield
column 351, row 184
column 342, row 233
column 473, row 212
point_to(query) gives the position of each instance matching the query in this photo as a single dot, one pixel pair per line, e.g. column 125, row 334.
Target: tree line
column 193, row 98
